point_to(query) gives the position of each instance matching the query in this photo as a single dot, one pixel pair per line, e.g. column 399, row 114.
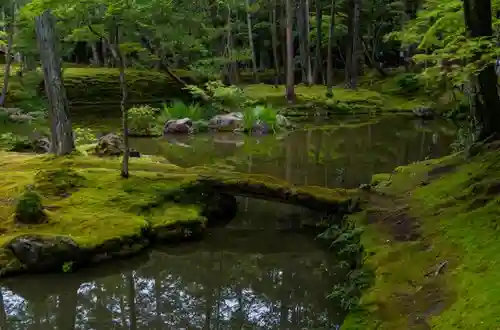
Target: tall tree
column 290, row 88
column 9, row 14
column 318, row 76
column 250, row 41
column 60, row 122
column 486, row 107
column 329, row 60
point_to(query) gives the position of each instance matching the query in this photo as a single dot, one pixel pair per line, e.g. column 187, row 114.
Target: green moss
column 99, row 208
column 456, row 204
column 87, row 85
column 344, row 100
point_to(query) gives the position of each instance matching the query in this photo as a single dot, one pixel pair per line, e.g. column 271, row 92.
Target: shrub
column 143, row 121
column 29, row 209
column 12, row 142
column 179, row 110
column 408, row 83
column 84, row 136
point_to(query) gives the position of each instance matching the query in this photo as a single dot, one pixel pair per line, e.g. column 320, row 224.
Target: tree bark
column 117, row 54
column 274, row 41
column 290, row 88
column 60, row 122
column 486, row 109
column 307, row 31
column 95, row 54
column 250, row 42
column 8, row 53
column 318, row 76
column 329, row 60
column 301, row 31
column 352, row 58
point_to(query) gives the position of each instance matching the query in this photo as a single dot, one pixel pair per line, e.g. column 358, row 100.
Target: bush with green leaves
column 29, row 208
column 143, row 121
column 13, row 142
column 179, row 110
column 344, row 241
column 84, row 135
column 223, row 98
column 260, row 114
column 408, row 83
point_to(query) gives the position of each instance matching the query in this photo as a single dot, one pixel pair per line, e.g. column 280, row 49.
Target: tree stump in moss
column 29, row 209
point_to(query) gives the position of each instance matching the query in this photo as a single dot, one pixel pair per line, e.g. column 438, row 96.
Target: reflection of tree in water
column 200, row 290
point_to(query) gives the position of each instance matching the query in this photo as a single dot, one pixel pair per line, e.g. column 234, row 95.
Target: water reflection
column 257, row 273
column 332, row 156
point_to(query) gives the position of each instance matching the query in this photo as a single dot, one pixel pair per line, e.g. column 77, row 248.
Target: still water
column 259, row 272
column 344, row 153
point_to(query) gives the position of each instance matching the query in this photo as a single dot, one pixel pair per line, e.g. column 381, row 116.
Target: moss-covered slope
column 88, row 86
column 444, row 275
column 104, row 215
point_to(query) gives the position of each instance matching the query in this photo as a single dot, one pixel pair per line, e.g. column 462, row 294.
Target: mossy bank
column 431, row 230
column 91, row 214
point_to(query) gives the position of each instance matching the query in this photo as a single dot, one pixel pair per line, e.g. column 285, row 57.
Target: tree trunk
column 95, row 54
column 307, row 43
column 329, row 60
column 352, row 60
column 301, row 29
column 60, row 122
column 318, row 76
column 250, row 42
column 274, row 41
column 117, row 54
column 290, row 88
column 486, row 110
column 8, row 54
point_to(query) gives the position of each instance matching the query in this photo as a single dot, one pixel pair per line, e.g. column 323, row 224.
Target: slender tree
column 329, row 60
column 290, row 88
column 60, row 122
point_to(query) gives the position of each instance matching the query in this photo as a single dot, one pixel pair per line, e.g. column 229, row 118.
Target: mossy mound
column 344, row 101
column 446, row 277
column 87, row 86
column 102, row 216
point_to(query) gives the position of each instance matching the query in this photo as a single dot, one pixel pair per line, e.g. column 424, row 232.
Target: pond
column 261, row 271
column 343, row 152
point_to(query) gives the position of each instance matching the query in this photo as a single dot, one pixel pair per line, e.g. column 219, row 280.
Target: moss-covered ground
column 431, row 230
column 343, row 101
column 89, row 86
column 86, row 200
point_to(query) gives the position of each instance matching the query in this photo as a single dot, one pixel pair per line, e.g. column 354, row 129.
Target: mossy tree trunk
column 60, row 122
column 290, row 81
column 486, row 109
column 329, row 60
column 9, row 29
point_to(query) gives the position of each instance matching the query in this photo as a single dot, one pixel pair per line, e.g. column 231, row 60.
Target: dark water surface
column 344, row 153
column 259, row 272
